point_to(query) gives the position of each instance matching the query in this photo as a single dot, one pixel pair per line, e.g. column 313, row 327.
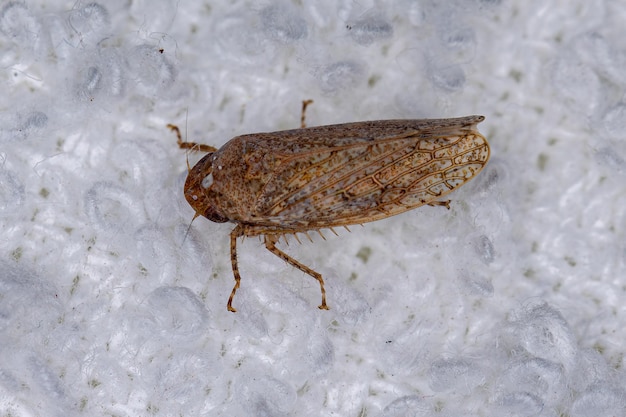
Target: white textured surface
column 511, row 303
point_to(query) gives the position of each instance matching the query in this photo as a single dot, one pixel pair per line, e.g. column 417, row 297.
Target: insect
column 295, row 181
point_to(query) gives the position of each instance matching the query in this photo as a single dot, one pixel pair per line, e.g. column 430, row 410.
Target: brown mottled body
column 292, row 181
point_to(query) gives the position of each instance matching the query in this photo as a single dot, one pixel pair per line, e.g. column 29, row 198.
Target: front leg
column 237, row 232
column 189, row 145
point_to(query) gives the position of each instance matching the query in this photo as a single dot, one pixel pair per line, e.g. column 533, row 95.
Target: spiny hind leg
column 270, row 244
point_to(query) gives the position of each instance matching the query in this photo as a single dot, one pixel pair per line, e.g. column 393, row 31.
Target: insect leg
column 305, row 104
column 445, row 204
column 237, row 231
column 270, row 242
column 189, row 145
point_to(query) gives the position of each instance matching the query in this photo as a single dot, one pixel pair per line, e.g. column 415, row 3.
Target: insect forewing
column 346, row 174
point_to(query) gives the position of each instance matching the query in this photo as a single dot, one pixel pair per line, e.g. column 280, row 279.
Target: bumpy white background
column 510, row 303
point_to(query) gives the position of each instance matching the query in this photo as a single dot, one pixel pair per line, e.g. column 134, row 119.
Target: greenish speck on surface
column 44, row 192
column 224, row 103
column 373, row 80
column 303, row 389
column 542, row 161
column 570, row 261
column 552, row 141
column 364, row 253
column 152, row 409
column 75, row 282
column 17, row 253
column 598, row 348
column 439, row 406
column 516, row 75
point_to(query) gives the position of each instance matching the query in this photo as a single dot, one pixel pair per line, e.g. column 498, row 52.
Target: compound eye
column 207, row 181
